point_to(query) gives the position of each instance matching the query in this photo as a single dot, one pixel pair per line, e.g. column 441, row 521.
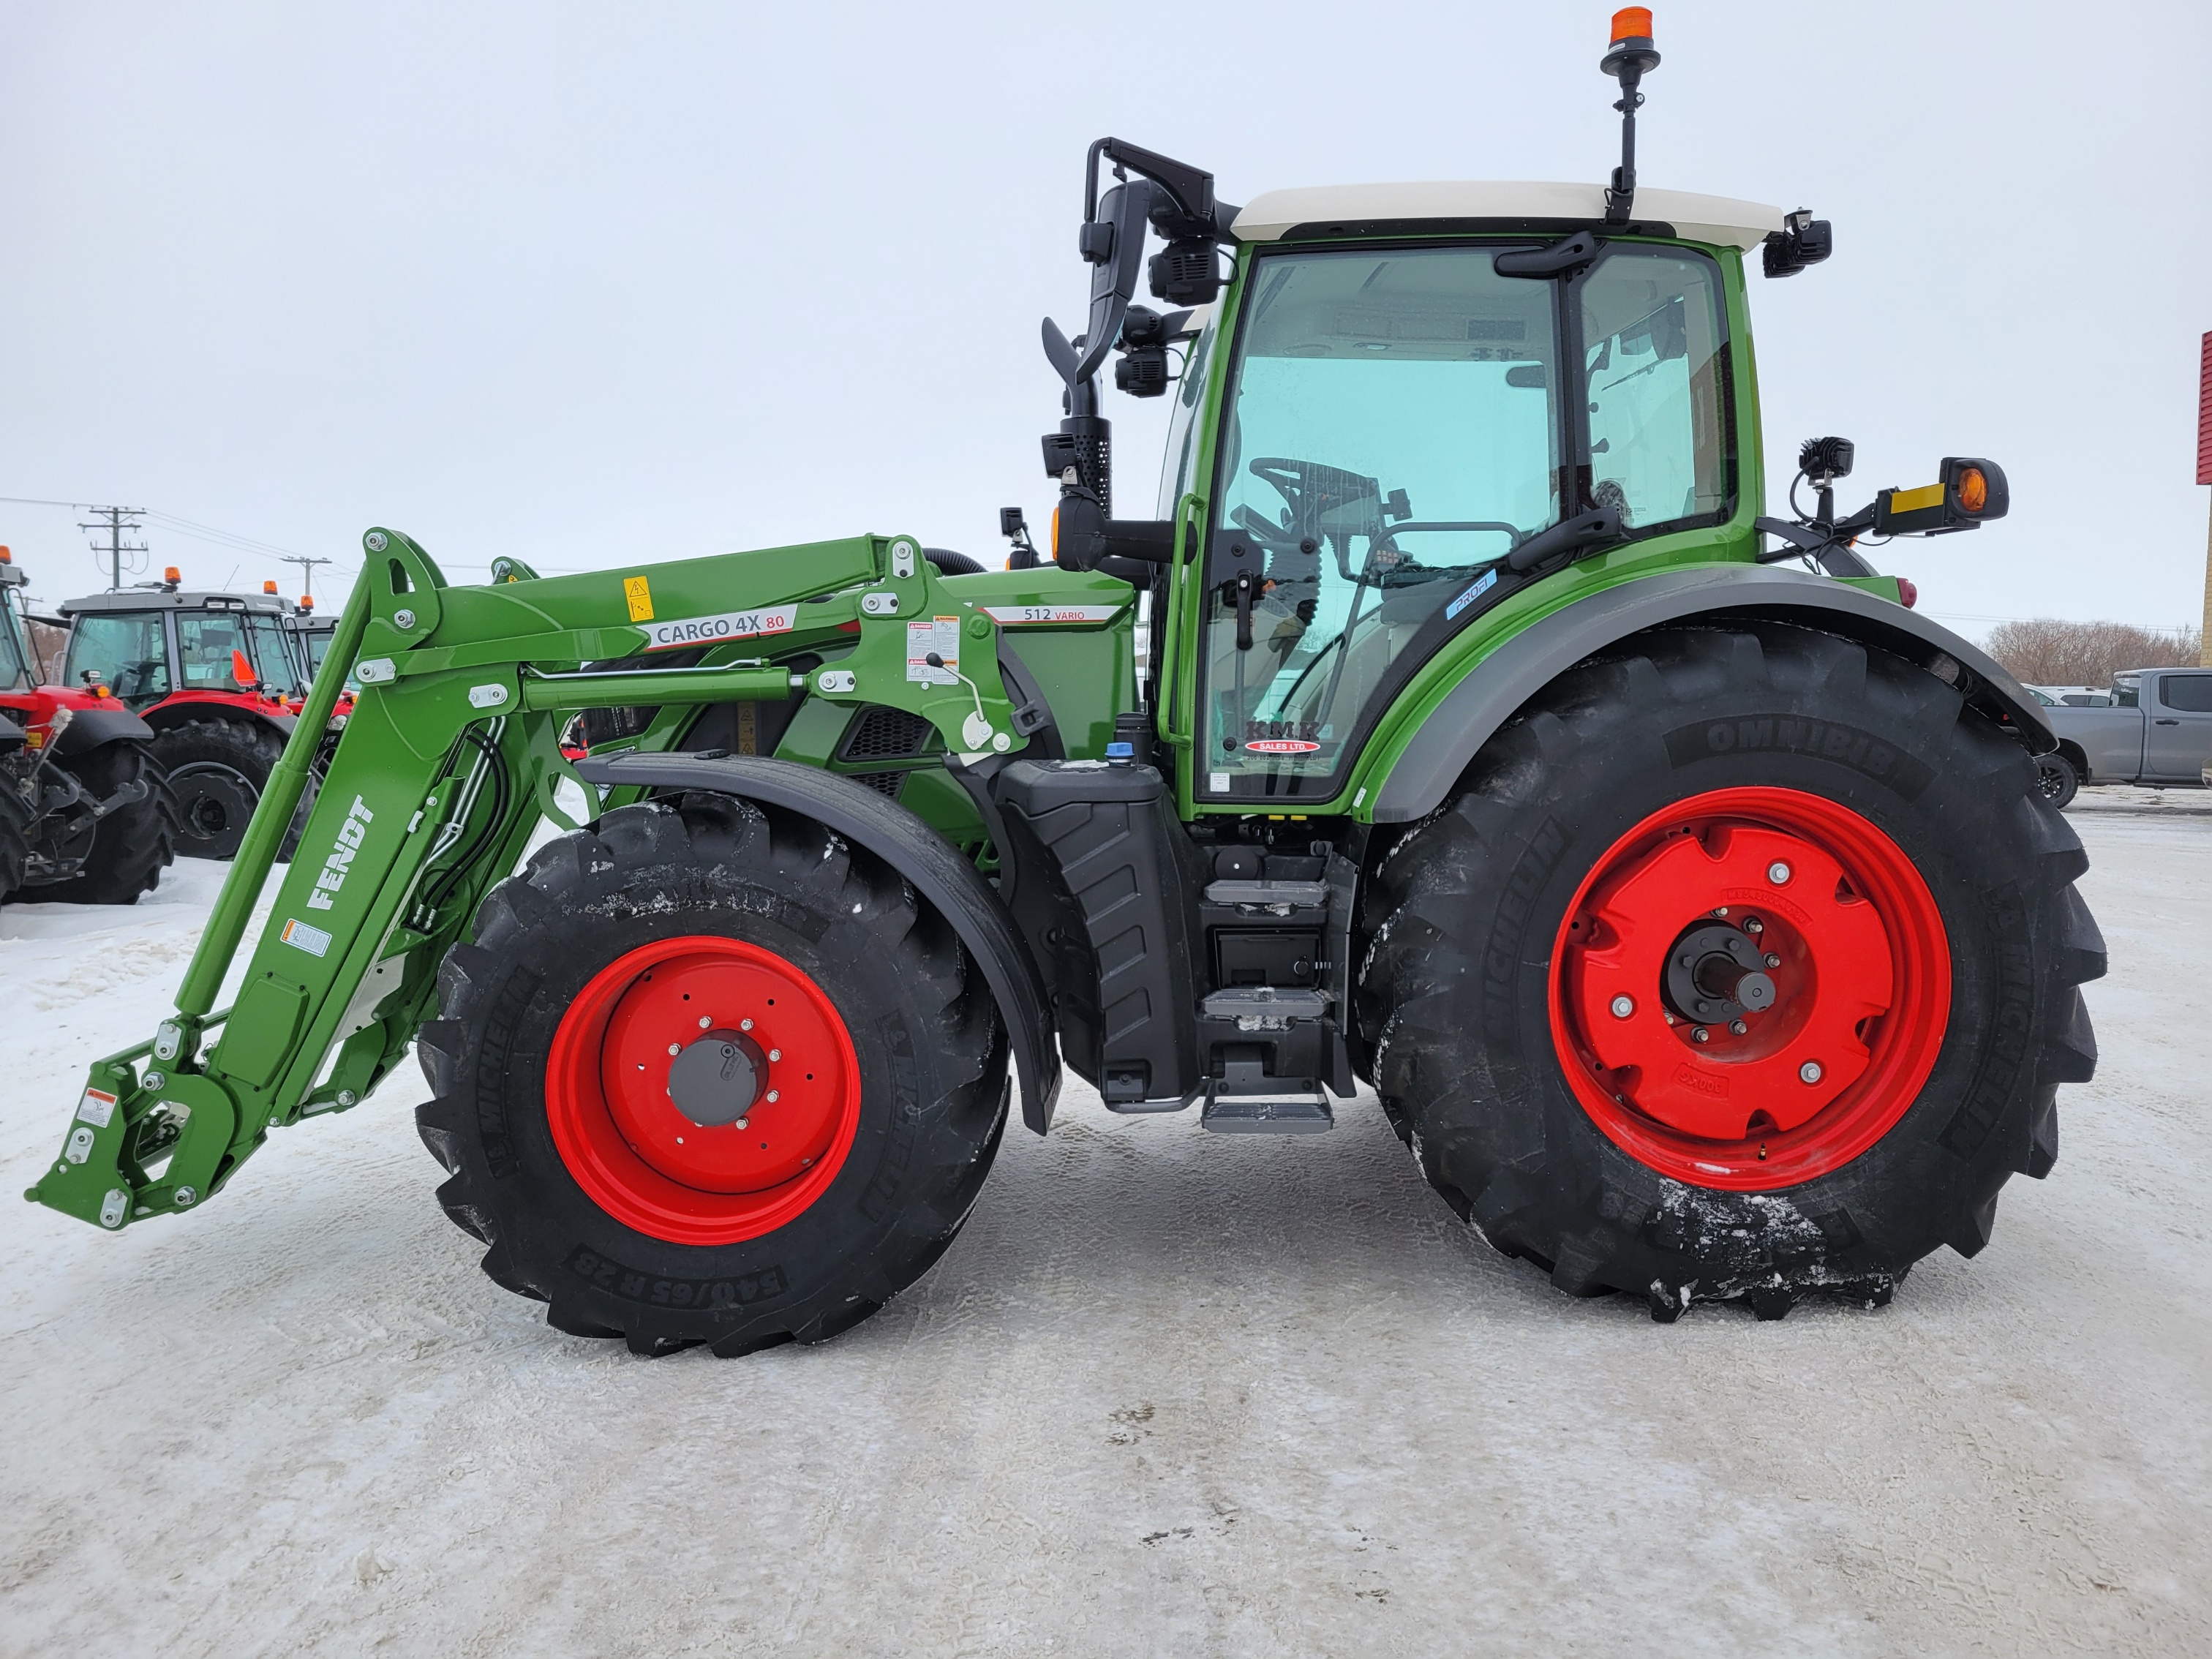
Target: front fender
column 181, row 706
column 88, row 728
column 1497, row 685
column 936, row 869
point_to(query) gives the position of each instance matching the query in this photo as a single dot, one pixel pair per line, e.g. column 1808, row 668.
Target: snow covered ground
column 1170, row 1394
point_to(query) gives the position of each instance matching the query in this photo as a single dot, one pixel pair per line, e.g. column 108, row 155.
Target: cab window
column 1655, row 375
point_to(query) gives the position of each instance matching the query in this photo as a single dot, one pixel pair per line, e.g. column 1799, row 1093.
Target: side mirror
column 242, row 672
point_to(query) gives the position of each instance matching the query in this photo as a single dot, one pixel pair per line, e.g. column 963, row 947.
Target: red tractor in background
column 219, row 679
column 86, row 815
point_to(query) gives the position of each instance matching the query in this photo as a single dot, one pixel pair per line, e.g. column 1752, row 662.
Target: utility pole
column 306, row 570
column 2204, row 476
column 115, row 520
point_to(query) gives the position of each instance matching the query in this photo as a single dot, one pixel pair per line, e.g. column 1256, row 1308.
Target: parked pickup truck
column 2158, row 731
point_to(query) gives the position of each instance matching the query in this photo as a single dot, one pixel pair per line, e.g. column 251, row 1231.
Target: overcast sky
column 594, row 284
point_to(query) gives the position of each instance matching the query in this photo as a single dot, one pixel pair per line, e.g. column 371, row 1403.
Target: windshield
column 125, row 649
column 1390, row 436
column 15, row 658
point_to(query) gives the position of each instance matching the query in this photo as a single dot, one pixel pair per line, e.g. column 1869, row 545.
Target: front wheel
column 218, row 769
column 709, row 1075
column 1744, row 967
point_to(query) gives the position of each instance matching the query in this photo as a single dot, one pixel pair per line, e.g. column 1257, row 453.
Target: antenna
column 113, row 521
column 306, row 570
column 1628, row 59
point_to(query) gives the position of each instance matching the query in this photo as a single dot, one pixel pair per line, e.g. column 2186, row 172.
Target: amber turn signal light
column 1973, row 489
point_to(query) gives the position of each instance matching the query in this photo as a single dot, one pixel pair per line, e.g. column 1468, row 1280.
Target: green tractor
column 1686, row 897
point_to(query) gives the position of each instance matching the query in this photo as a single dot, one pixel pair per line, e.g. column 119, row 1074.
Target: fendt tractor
column 217, row 677
column 86, row 815
column 1686, row 897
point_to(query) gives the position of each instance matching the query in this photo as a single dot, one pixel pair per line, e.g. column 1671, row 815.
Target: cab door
column 2177, row 741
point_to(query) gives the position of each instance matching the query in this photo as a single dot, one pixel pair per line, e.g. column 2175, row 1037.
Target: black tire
column 132, row 845
column 931, row 1058
column 15, row 835
column 2055, row 778
column 1454, row 992
column 218, row 769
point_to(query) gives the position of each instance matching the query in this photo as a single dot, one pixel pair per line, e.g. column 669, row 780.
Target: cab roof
column 1353, row 210
column 161, row 598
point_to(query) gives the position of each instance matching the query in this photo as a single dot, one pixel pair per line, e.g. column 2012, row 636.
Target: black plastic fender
column 938, row 872
column 88, row 728
column 1497, row 687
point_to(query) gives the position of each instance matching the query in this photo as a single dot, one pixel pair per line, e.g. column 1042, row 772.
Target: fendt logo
column 332, row 875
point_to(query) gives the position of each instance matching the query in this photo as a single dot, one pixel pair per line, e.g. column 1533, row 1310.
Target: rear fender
column 938, row 872
column 174, row 710
column 1499, row 684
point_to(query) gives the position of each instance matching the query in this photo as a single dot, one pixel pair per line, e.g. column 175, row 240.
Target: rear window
column 2124, row 690
column 2190, row 693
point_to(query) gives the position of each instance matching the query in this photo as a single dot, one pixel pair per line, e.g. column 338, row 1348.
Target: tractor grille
column 881, row 733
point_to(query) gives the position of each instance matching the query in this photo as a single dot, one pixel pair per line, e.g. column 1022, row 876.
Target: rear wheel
column 133, row 844
column 1744, row 967
column 711, row 1076
column 218, row 769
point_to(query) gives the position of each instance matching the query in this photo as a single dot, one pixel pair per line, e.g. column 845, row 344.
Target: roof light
column 306, row 602
column 269, row 587
column 171, row 574
column 1631, row 24
column 6, row 557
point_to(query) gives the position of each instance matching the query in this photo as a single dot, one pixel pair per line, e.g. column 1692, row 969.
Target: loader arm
column 450, row 757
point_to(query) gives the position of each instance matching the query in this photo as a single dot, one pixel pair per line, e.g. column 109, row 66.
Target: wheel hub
column 717, row 1079
column 1750, row 987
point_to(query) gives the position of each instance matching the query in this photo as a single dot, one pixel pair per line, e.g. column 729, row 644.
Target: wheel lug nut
column 1720, row 909
column 675, row 1047
column 743, row 1122
column 745, row 1025
column 1753, row 925
column 1778, row 873
column 1623, row 1006
column 1700, row 1034
column 776, row 1053
column 1771, row 960
column 1738, row 1027
column 1809, row 1072
column 771, row 1097
column 706, row 1022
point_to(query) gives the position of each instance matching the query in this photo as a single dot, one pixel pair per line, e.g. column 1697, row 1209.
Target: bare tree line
column 2045, row 651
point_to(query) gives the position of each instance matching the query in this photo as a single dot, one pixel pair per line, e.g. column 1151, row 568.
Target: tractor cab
column 151, row 644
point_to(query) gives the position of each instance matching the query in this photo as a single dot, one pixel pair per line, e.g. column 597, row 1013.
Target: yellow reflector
column 1973, row 489
column 1912, row 501
column 1056, row 535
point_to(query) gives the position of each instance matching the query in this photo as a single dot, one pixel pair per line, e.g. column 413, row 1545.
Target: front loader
column 1686, row 897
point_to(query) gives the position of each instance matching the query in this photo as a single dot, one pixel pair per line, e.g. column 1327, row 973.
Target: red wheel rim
column 639, row 1157
column 1849, row 938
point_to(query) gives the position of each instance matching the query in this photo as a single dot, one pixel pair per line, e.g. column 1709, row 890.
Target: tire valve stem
column 1762, row 1152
